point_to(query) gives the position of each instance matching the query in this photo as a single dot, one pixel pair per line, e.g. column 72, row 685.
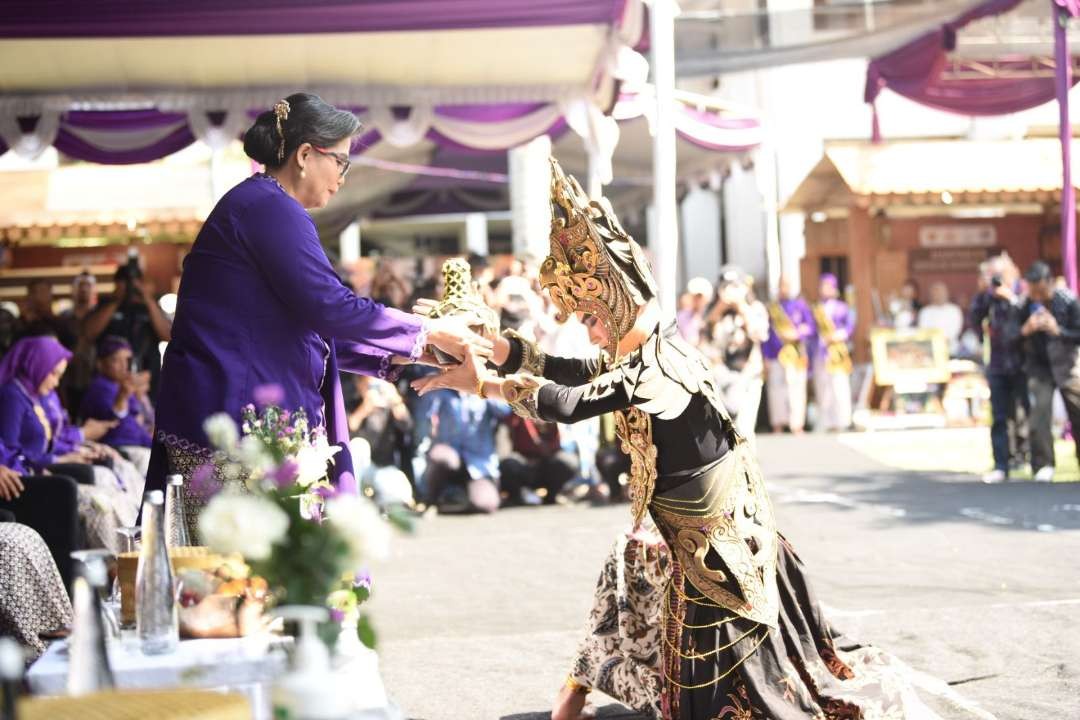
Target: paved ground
column 978, row 585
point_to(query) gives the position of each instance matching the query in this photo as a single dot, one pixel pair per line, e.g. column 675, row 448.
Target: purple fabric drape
column 343, row 475
column 1063, row 82
column 139, row 18
column 77, row 148
column 914, row 71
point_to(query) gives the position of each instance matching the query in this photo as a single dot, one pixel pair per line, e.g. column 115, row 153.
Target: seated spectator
column 940, row 314
column 10, row 325
column 47, row 503
column 535, row 463
column 117, row 395
column 904, row 307
column 33, row 599
column 35, row 427
column 463, row 469
column 383, row 424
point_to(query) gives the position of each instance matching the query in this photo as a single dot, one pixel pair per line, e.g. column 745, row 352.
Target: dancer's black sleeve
column 565, row 371
column 556, row 402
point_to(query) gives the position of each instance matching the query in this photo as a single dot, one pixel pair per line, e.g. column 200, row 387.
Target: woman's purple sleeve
column 285, row 245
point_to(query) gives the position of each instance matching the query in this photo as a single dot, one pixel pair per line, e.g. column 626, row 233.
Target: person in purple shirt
column 830, row 357
column 118, row 395
column 259, row 303
column 49, row 503
column 791, row 326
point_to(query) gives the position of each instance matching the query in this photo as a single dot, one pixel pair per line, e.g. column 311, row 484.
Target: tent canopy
column 118, row 81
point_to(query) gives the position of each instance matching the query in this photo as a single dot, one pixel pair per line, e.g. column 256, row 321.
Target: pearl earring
column 303, row 174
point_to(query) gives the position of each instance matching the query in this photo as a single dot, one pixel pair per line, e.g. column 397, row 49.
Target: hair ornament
column 281, row 114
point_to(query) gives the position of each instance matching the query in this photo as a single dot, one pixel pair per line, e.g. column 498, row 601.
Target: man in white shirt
column 943, row 315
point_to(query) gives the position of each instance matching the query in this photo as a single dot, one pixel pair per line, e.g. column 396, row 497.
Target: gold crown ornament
column 462, row 298
column 594, row 267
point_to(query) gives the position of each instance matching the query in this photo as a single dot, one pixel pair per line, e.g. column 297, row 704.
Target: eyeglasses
column 341, row 159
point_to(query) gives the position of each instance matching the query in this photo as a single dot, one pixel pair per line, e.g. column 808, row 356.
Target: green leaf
column 365, row 631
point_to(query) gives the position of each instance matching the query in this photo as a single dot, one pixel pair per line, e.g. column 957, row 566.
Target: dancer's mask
column 594, row 267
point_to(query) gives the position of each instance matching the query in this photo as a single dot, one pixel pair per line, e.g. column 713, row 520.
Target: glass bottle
column 88, row 661
column 156, row 622
column 176, row 530
column 11, row 673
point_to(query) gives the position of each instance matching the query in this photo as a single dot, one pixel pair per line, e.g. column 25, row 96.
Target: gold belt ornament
column 793, row 355
column 633, row 426
column 837, row 355
column 722, row 530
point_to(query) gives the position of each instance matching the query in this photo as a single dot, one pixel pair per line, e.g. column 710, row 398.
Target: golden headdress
column 594, row 267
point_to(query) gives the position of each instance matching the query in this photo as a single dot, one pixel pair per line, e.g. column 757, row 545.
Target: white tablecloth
column 247, row 665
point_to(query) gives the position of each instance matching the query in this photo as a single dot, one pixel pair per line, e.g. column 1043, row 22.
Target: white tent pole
column 665, row 244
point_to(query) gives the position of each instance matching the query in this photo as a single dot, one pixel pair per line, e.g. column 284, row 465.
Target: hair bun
column 261, row 141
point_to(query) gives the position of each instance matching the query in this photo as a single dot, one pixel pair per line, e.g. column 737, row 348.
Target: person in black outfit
column 1051, row 331
column 47, row 503
column 999, row 308
column 132, row 313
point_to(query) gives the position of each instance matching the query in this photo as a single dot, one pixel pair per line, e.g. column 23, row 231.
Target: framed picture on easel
column 909, row 358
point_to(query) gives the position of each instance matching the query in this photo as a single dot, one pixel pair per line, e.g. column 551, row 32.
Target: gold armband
column 520, row 391
column 533, row 358
column 574, row 686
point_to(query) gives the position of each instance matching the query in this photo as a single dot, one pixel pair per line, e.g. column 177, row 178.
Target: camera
column 996, row 281
column 129, row 272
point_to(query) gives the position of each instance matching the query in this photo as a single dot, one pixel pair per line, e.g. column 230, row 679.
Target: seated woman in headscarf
column 120, row 396
column 36, row 428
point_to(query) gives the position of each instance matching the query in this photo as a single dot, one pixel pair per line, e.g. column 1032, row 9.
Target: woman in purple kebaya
column 260, row 304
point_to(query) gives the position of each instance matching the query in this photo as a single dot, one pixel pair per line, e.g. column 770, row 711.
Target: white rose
column 253, row 456
column 221, row 431
column 312, row 461
column 245, row 524
column 359, row 522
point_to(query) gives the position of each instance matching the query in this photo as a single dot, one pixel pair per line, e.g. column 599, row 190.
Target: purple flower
column 203, row 483
column 269, row 394
column 285, row 416
column 362, row 579
column 337, row 615
column 285, row 475
column 326, row 492
column 249, row 408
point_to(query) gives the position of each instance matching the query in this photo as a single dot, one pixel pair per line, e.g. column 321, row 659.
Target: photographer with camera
column 1051, row 329
column 996, row 312
column 133, row 314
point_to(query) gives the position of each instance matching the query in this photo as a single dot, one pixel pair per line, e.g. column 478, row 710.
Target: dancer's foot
column 571, row 705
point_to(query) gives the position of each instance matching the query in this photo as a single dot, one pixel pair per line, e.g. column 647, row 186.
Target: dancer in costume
column 723, row 624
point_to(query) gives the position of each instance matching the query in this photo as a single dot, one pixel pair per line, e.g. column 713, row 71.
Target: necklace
column 271, row 178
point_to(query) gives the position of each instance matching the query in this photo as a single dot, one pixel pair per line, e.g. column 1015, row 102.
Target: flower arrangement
column 278, row 509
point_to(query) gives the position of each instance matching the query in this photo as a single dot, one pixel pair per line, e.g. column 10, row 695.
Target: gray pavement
column 976, row 585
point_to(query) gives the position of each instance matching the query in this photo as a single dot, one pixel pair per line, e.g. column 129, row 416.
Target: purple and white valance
column 707, row 127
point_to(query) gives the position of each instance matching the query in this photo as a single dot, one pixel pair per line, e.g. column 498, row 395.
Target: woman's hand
column 101, row 452
column 75, row 457
column 97, row 429
column 11, row 485
column 464, row 378
column 453, row 337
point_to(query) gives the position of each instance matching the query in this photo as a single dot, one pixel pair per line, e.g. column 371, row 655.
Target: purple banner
column 145, row 18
